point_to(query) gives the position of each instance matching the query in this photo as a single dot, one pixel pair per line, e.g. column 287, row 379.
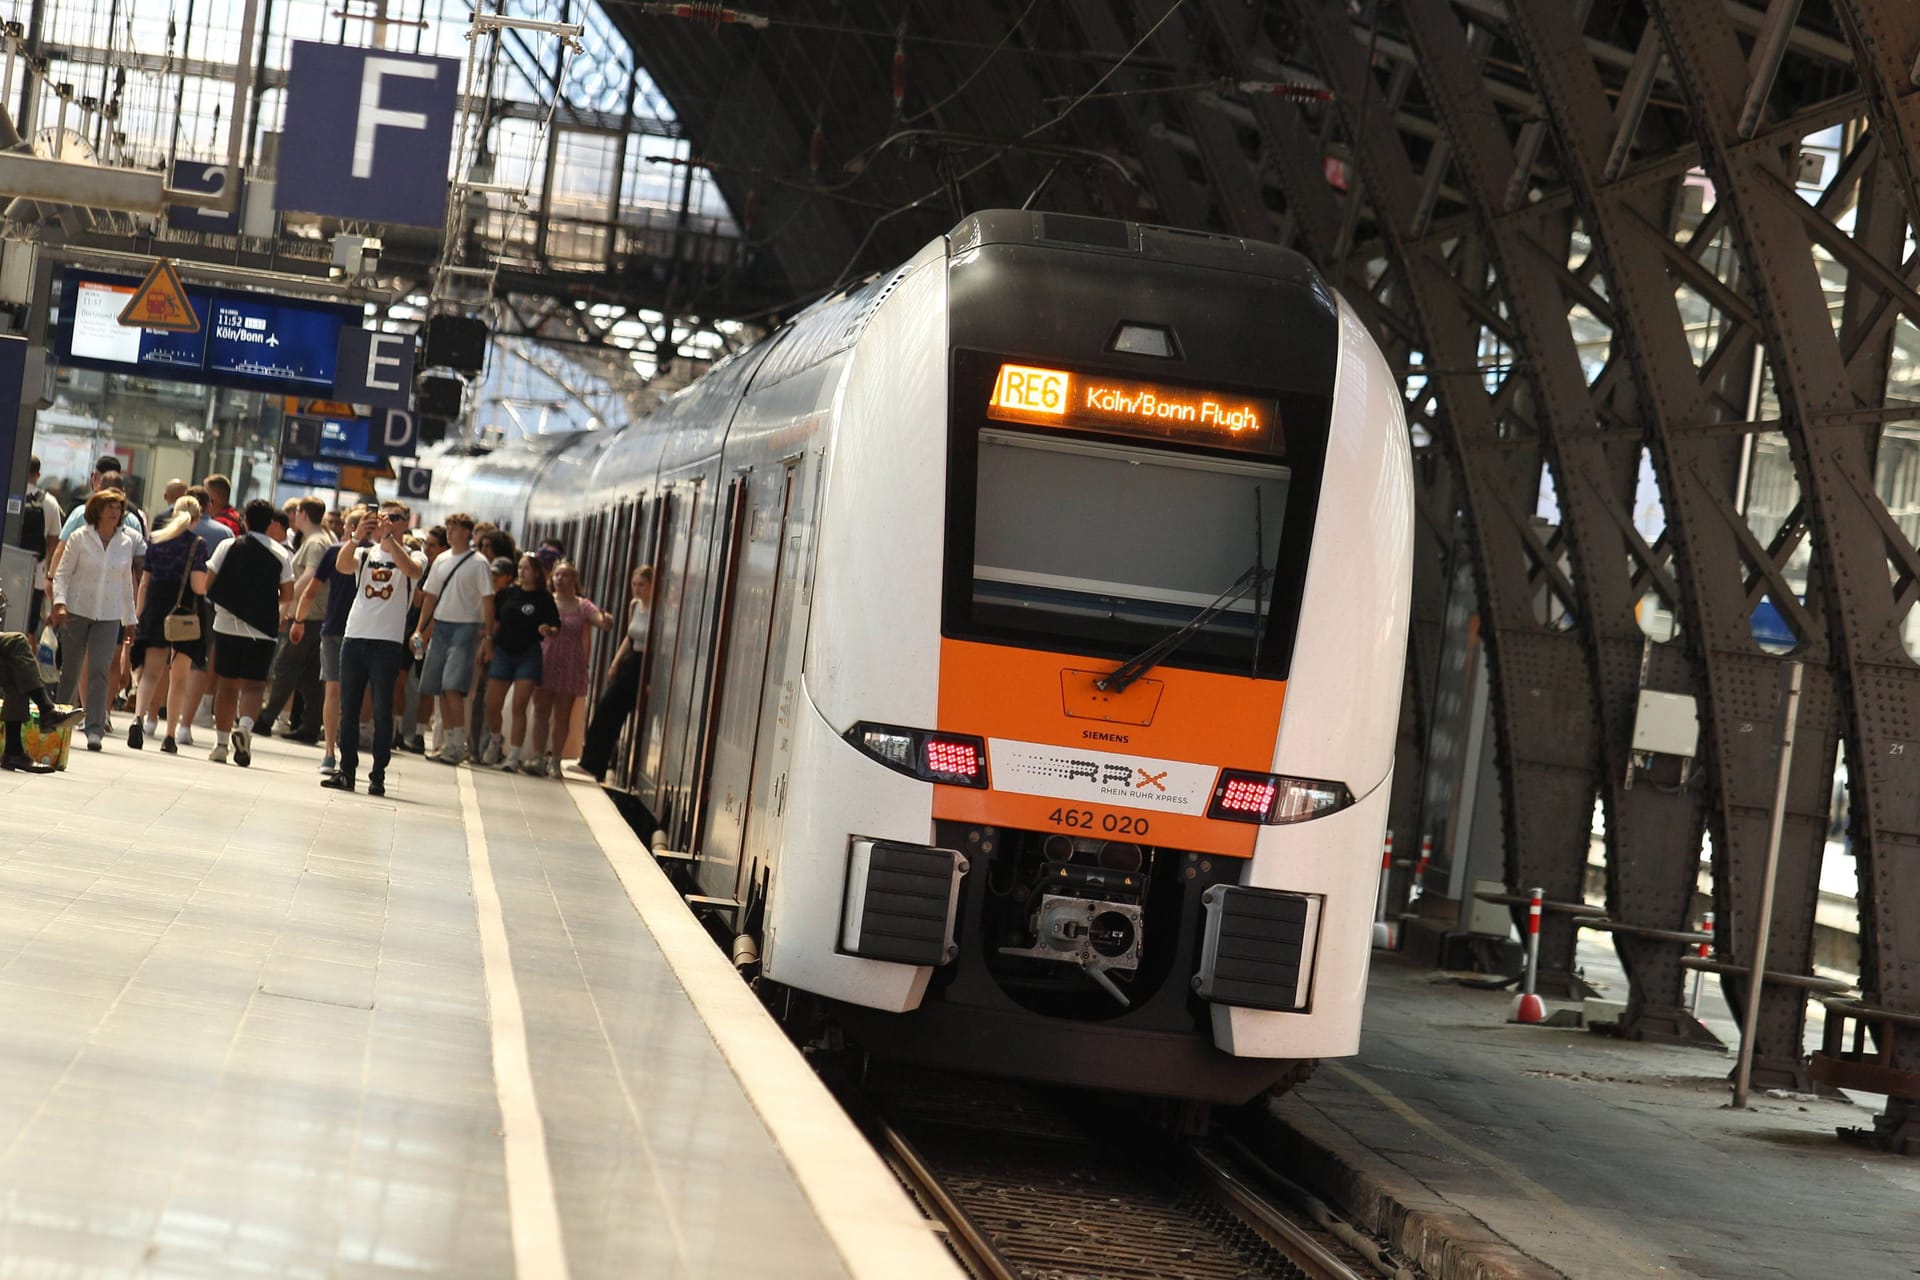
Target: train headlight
column 1272, row 798
column 955, row 759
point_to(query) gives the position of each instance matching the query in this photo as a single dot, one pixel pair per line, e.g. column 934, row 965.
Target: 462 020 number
column 1115, row 824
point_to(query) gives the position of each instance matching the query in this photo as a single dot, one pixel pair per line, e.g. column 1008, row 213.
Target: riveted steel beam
column 1543, row 703
column 1854, row 540
column 1716, row 553
column 1653, row 831
column 1881, row 34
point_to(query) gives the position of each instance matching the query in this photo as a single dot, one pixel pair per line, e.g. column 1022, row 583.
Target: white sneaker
column 534, row 766
column 218, row 755
column 495, row 752
column 326, row 764
column 185, row 738
column 450, row 755
column 553, row 767
column 512, row 763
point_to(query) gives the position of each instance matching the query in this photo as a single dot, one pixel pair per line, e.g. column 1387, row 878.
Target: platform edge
column 1446, row 1242
column 861, row 1206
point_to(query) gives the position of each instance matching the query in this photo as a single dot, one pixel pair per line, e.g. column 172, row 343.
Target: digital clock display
column 1060, row 398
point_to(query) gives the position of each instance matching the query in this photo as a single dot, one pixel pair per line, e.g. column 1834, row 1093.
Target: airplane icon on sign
column 273, row 340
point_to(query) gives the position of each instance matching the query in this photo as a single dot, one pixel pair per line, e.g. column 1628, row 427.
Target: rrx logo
column 1109, row 774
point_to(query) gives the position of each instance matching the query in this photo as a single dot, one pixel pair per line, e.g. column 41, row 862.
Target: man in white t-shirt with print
column 377, row 567
column 456, row 626
column 249, row 580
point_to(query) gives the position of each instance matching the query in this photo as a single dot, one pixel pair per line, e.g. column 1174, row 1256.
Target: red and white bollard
column 1420, row 867
column 1700, row 975
column 1528, row 1007
column 1382, row 927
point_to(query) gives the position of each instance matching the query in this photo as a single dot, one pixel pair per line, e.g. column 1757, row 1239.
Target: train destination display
column 1058, row 397
column 254, row 341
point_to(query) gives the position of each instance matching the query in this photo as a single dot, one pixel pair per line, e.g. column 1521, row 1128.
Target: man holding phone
column 381, row 572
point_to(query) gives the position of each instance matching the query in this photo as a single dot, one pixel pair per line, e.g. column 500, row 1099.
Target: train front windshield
column 1068, row 531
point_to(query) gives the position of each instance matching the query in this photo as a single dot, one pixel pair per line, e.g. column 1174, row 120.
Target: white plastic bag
column 49, row 654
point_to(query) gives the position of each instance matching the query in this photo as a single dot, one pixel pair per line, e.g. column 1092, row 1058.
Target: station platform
column 249, row 1026
column 1490, row 1150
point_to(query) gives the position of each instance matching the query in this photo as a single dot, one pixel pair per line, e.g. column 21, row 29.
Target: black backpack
column 33, row 525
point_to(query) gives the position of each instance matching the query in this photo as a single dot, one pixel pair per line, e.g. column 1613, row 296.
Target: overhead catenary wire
column 999, row 152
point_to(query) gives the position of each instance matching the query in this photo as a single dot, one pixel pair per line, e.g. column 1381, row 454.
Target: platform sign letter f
column 372, row 115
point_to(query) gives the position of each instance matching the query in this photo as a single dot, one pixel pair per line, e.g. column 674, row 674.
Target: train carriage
column 1026, row 649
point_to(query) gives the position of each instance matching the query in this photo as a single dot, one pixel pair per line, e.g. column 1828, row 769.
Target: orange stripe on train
column 1028, row 703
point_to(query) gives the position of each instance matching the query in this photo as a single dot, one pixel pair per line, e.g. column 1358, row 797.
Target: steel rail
column 976, row 1252
column 1272, row 1224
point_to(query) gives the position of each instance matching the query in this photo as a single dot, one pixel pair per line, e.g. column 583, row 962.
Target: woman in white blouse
column 93, row 603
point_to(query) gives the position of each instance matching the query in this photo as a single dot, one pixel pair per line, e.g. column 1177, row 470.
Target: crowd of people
column 355, row 632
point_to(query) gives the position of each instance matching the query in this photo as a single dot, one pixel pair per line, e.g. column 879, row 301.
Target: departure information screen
column 1049, row 397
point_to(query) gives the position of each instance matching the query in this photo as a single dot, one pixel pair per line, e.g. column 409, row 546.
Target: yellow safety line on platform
column 533, row 1212
column 1602, row 1236
column 860, row 1205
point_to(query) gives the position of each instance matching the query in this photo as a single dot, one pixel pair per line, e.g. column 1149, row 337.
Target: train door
column 671, row 680
column 773, row 733
column 734, row 710
column 656, row 527
column 697, row 766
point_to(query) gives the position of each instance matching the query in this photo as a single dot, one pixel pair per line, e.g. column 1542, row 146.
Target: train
column 1025, row 651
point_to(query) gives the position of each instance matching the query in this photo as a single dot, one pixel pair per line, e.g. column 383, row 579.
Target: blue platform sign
column 375, row 369
column 93, row 337
column 306, row 471
column 396, row 433
column 416, row 483
column 266, row 340
column 204, row 179
column 368, row 134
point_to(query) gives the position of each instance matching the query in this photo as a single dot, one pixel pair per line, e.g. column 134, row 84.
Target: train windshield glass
column 1105, row 547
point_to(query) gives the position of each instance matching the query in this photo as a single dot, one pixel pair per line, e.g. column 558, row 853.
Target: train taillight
column 955, row 759
column 1243, row 796
column 960, row 761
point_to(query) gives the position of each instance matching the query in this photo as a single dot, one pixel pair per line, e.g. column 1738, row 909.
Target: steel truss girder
column 1542, row 695
column 1653, row 832
column 1880, row 685
column 1715, row 551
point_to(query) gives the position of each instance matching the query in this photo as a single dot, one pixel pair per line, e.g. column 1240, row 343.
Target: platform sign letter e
column 374, row 368
column 373, row 132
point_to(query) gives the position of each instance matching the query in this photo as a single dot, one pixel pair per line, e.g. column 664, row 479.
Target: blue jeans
column 364, row 664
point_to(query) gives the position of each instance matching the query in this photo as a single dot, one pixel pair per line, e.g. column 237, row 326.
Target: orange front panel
column 1170, row 727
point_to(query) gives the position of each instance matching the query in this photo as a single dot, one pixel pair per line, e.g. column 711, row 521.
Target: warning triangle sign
column 161, row 302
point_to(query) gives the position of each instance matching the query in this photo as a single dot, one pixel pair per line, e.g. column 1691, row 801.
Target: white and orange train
column 1026, row 649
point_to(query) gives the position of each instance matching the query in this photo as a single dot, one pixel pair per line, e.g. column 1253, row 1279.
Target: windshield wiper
column 1160, row 650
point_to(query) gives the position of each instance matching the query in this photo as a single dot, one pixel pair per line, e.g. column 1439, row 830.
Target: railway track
column 1035, row 1187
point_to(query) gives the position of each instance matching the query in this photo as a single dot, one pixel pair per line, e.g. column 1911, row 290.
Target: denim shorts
column 330, row 658
column 508, row 666
column 449, row 665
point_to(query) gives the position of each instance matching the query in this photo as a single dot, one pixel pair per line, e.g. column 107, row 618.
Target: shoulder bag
column 182, row 625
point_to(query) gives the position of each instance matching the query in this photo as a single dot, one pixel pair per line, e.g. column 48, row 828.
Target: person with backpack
column 250, row 579
column 376, row 564
column 39, row 518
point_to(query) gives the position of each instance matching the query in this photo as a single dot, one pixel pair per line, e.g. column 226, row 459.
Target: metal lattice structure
column 1595, row 237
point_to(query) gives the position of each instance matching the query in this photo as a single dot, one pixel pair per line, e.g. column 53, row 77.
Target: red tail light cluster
column 954, row 759
column 1271, row 798
column 958, row 760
